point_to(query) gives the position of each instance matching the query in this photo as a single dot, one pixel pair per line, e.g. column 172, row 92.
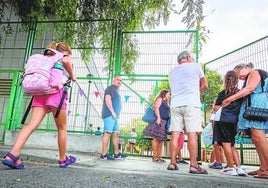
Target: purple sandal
column 13, row 162
column 65, row 163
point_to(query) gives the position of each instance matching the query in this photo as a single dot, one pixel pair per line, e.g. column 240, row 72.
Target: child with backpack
column 46, row 103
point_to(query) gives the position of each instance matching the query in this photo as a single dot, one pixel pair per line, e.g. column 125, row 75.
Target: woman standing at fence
column 258, row 94
column 157, row 130
column 42, row 105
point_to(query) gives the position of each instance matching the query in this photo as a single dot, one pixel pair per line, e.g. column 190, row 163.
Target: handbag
column 149, row 116
column 255, row 113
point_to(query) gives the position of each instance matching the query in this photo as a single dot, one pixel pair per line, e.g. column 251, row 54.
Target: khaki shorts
column 188, row 116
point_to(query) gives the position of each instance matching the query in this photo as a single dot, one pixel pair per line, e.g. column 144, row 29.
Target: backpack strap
column 66, row 86
column 57, row 53
column 53, row 50
column 27, row 111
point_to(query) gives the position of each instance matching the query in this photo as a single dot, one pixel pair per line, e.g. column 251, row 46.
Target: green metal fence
column 156, row 55
column 257, row 53
column 24, row 39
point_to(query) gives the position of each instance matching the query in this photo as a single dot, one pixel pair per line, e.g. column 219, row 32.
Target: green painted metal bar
column 9, row 71
column 145, row 75
column 91, row 78
column 119, row 45
column 136, row 93
column 241, row 154
column 167, row 31
column 249, row 44
column 10, row 109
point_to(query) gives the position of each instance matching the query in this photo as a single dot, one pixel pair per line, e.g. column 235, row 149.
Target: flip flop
column 13, row 162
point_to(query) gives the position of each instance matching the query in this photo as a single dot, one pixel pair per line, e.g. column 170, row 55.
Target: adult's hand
column 226, row 102
column 114, row 115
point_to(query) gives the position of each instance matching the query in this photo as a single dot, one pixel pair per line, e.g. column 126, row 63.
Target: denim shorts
column 110, row 125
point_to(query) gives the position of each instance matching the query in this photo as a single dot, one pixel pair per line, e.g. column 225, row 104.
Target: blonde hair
column 60, row 46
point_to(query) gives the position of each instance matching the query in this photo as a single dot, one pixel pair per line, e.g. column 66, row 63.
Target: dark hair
column 230, row 82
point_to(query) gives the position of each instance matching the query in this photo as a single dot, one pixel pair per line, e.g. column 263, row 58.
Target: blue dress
column 258, row 99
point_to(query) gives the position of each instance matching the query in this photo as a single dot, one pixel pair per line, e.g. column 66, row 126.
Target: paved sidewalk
column 144, row 167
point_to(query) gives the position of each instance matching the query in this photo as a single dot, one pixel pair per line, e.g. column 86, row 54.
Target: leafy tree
column 214, row 86
column 194, row 17
column 129, row 15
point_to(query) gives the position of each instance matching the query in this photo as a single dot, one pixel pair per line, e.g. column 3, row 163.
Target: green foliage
column 162, row 85
column 193, row 19
column 97, row 32
column 214, row 87
column 139, row 126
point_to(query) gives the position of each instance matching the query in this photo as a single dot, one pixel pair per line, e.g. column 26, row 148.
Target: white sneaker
column 229, row 171
column 241, row 171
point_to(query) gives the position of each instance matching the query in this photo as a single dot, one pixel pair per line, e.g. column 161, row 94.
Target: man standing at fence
column 186, row 81
column 110, row 112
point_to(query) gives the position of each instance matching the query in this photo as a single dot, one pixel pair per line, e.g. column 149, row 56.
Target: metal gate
column 156, row 54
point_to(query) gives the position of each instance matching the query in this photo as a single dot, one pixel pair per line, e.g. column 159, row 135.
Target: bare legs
column 231, row 155
column 174, row 149
column 37, row 116
column 157, row 148
column 105, row 141
column 132, row 146
column 218, row 154
column 61, row 122
column 261, row 144
column 192, row 148
column 116, row 143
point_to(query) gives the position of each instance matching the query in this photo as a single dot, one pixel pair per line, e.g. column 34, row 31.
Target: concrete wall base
column 48, row 140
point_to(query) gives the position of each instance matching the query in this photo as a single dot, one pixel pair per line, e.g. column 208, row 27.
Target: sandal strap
column 68, row 160
column 12, row 157
column 198, row 168
column 172, row 166
column 61, row 162
column 155, row 158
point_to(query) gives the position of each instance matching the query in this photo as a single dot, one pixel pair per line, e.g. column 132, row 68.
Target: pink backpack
column 43, row 74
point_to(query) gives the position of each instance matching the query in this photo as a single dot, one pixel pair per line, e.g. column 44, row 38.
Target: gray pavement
column 41, row 170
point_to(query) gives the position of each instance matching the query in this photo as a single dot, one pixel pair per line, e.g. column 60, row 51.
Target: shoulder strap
column 263, row 75
column 58, row 55
column 53, row 50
